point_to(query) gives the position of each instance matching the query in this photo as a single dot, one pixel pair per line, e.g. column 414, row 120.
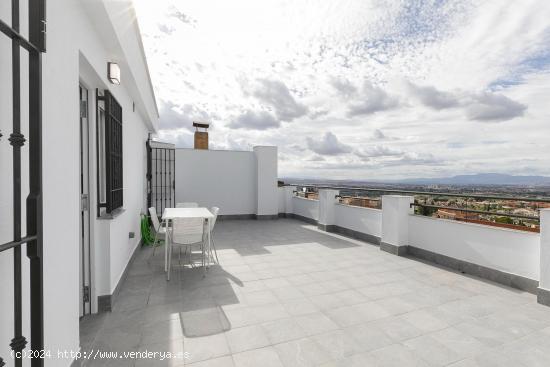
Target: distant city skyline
column 480, row 179
column 358, row 89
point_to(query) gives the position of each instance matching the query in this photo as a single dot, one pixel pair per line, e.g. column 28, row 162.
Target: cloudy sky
column 358, row 89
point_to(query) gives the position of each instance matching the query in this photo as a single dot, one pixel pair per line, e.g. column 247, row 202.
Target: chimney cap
column 201, row 124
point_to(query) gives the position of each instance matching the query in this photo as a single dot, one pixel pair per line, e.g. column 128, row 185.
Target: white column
column 289, row 194
column 327, row 201
column 266, row 183
column 543, row 295
column 395, row 223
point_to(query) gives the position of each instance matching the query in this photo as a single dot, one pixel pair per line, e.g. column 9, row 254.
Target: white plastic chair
column 187, row 205
column 159, row 229
column 187, row 232
column 214, row 210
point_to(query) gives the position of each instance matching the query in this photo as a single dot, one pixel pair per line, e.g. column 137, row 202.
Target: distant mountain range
column 481, row 179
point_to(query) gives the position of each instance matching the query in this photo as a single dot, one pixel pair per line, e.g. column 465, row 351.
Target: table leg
column 209, row 242
column 203, row 255
column 165, row 246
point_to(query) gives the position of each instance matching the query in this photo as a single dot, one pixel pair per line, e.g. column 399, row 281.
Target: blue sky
column 358, row 89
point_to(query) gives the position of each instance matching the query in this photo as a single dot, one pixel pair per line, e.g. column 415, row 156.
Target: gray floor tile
column 283, row 330
column 315, row 323
column 302, row 352
column 265, row 357
column 246, row 338
column 207, row 347
column 319, row 299
column 226, row 361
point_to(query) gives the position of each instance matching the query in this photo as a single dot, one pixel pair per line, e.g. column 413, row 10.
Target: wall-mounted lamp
column 113, row 72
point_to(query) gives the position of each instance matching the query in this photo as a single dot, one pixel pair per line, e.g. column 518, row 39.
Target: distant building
column 524, row 211
column 312, row 195
column 456, row 214
column 362, row 201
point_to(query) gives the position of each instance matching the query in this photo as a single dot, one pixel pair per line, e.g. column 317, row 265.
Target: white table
column 173, row 213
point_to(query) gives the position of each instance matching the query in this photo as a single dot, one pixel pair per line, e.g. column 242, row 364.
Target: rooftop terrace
column 287, row 294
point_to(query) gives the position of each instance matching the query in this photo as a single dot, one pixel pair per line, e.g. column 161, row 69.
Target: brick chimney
column 201, row 137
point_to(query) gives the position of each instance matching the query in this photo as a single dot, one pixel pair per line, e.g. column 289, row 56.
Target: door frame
column 85, row 221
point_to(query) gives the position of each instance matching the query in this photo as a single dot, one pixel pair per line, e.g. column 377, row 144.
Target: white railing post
column 543, row 293
column 327, row 201
column 395, row 223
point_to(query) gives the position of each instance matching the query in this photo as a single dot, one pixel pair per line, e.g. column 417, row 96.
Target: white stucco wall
column 511, row 251
column 364, row 220
column 238, row 182
column 226, row 179
column 308, row 208
column 73, row 40
column 135, row 166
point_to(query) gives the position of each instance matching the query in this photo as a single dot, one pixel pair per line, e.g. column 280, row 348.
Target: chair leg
column 169, row 261
column 154, row 247
column 205, row 261
column 190, row 258
column 214, row 247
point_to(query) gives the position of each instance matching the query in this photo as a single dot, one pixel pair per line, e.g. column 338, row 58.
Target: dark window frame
column 112, row 178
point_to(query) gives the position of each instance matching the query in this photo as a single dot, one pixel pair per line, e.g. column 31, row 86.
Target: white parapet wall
column 305, row 208
column 511, row 257
column 543, row 292
column 359, row 219
column 238, row 182
column 510, row 251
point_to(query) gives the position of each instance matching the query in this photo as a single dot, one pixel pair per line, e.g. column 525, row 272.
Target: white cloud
column 494, row 108
column 328, row 145
column 436, row 73
column 343, row 86
column 173, row 116
column 416, row 159
column 180, row 138
column 231, row 143
column 434, row 98
column 379, row 151
column 275, row 93
column 485, row 106
column 378, row 135
column 253, row 120
column 372, row 99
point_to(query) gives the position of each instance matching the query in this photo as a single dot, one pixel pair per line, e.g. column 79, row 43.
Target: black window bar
column 113, row 154
column 35, row 46
column 161, row 169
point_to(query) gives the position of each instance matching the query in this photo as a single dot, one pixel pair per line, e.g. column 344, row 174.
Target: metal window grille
column 34, row 46
column 161, row 169
column 113, row 154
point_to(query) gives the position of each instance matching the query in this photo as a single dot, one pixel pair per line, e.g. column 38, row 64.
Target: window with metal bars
column 109, row 154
